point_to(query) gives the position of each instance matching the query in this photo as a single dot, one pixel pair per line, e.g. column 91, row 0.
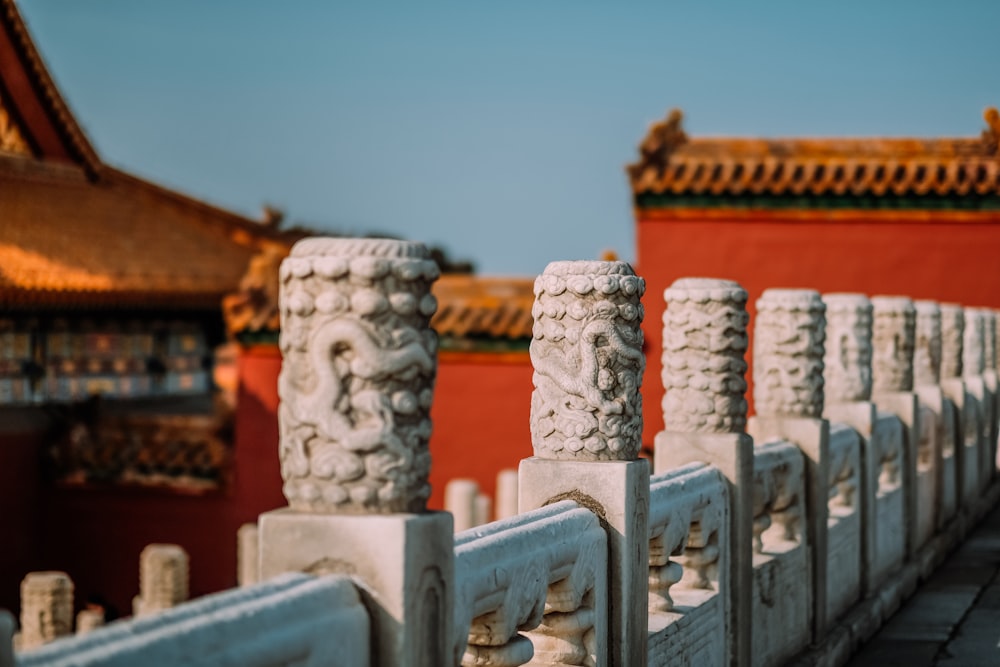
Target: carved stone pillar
column 356, row 387
column 586, row 423
column 163, row 578
column 46, row 608
column 952, row 340
column 894, row 334
column 705, row 416
column 788, row 354
column 928, row 347
column 357, row 375
column 704, row 343
column 847, row 361
column 975, row 358
column 992, row 382
column 788, row 397
column 587, row 353
column 89, row 620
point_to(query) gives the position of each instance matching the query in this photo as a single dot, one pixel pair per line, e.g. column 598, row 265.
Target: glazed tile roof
column 69, row 242
column 672, row 163
column 469, row 306
column 77, row 233
column 474, row 306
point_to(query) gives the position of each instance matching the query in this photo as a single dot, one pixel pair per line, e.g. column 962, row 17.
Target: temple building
column 111, row 425
column 873, row 215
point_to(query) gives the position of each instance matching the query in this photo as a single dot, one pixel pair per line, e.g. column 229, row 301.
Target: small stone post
column 847, row 371
column 248, row 554
column 991, row 380
column 89, row 620
column 46, row 608
column 356, row 387
column 788, row 396
column 586, row 425
column 460, row 499
column 973, row 369
column 163, row 579
column 893, row 340
column 506, row 496
column 705, row 416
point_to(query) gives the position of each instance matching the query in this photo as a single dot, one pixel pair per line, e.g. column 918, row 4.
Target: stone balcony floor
column 953, row 620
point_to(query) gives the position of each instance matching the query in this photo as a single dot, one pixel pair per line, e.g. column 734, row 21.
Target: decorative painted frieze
column 704, row 343
column 788, row 353
column 587, row 354
column 357, row 376
column 847, row 361
column 893, row 340
column 928, row 349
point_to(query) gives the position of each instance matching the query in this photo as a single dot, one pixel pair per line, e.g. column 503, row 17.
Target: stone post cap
column 52, row 580
column 582, row 278
column 925, row 307
column 158, row 551
column 780, row 298
column 846, row 302
column 902, row 304
column 703, row 290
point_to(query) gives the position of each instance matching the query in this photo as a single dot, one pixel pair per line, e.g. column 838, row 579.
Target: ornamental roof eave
column 674, row 168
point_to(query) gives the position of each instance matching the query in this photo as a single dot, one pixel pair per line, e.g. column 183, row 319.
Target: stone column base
column 618, row 492
column 404, row 565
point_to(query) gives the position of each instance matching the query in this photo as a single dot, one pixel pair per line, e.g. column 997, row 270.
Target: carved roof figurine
column 991, row 135
column 663, row 138
column 675, row 170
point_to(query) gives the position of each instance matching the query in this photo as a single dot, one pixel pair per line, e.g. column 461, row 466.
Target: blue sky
column 496, row 129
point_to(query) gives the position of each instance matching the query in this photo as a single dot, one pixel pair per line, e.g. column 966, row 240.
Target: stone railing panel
column 782, row 605
column 844, row 521
column 542, row 573
column 689, row 551
column 291, row 619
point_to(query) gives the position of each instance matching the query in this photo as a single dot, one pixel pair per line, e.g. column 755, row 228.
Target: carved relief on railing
column 704, row 343
column 847, row 361
column 357, row 376
column 586, row 350
column 688, row 511
column 893, row 340
column 928, row 350
column 543, row 573
column 845, row 475
column 973, row 339
column 788, row 354
column 888, row 441
column 778, row 494
column 952, row 340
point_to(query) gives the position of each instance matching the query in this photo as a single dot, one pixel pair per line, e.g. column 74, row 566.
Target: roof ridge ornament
column 664, row 137
column 991, row 135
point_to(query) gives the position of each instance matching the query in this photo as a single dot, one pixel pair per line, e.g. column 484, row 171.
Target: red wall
column 22, row 435
column 96, row 535
column 481, row 407
column 946, row 256
column 480, row 415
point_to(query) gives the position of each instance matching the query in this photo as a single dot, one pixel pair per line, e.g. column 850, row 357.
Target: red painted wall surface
column 96, row 535
column 21, row 436
column 480, row 415
column 946, row 256
column 481, row 407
